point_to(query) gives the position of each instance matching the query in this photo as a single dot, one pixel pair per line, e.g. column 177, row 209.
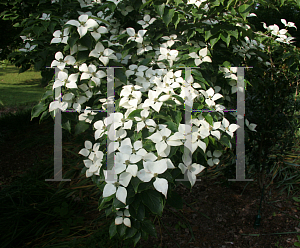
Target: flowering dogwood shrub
column 151, row 40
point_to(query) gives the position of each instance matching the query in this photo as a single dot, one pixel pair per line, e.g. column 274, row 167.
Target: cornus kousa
column 157, row 109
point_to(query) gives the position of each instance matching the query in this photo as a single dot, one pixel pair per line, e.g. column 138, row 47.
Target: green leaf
column 178, row 117
column 233, row 33
column 159, row 116
column 178, row 98
column 145, row 62
column 38, row 109
column 86, row 41
column 120, row 74
column 174, row 200
column 176, row 19
column 153, row 200
column 82, row 56
column 144, row 5
column 149, row 228
column 118, row 204
column 130, row 232
column 244, row 10
column 226, row 38
column 104, row 201
column 296, row 199
column 80, row 127
column 38, row 30
column 67, row 126
column 213, row 41
column 168, row 15
column 121, row 230
column 136, row 238
column 44, row 115
column 172, row 126
column 159, row 9
column 138, row 213
column 208, row 118
column 207, row 35
column 178, row 2
column 135, row 113
column 135, row 181
column 112, row 229
column 225, row 141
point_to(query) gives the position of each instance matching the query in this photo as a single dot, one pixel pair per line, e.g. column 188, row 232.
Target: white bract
column 153, row 169
column 137, row 37
column 214, row 158
column 202, row 56
column 191, row 169
column 146, row 21
column 27, row 48
column 61, row 62
column 228, row 128
column 60, row 37
column 210, row 96
column 103, row 54
column 83, row 24
column 121, row 218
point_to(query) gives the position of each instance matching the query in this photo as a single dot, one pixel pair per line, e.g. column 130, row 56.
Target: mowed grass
column 17, row 89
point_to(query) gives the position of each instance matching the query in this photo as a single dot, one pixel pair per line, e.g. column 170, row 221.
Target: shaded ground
column 231, row 218
column 229, row 215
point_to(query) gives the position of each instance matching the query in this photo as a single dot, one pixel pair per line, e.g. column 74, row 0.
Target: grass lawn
column 19, row 89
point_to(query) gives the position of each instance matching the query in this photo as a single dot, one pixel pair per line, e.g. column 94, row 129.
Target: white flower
column 116, row 2
column 136, row 70
column 60, row 37
column 142, row 122
column 143, row 48
column 210, row 96
column 114, row 186
column 137, row 37
column 153, row 169
column 61, row 62
column 229, row 129
column 251, row 126
column 89, row 149
column 206, row 129
column 154, row 101
column 100, row 127
column 83, row 24
column 27, row 48
column 58, row 105
column 285, row 39
column 213, row 158
column 126, row 161
column 45, row 17
column 163, row 140
column 196, row 2
column 289, row 24
column 167, row 54
column 121, row 218
column 116, row 137
column 129, row 97
column 146, row 22
column 98, row 31
column 137, row 150
column 126, row 10
column 202, row 56
column 170, row 39
column 103, row 54
column 192, row 169
column 91, row 72
column 64, row 80
column 87, row 115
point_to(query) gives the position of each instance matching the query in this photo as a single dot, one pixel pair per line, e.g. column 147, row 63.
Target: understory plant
column 151, row 133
